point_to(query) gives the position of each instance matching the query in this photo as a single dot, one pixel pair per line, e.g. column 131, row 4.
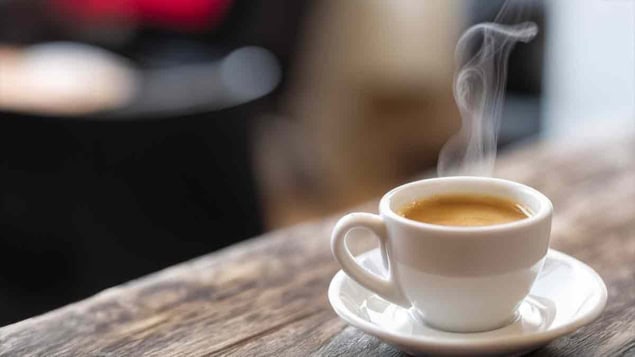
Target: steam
column 479, row 92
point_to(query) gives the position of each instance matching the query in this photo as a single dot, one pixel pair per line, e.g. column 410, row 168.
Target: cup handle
column 386, row 288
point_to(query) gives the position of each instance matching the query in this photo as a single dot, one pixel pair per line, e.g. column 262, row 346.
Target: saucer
column 567, row 295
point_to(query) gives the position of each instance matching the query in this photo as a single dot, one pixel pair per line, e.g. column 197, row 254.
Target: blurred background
column 136, row 134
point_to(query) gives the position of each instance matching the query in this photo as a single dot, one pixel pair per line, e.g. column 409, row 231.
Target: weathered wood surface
column 267, row 296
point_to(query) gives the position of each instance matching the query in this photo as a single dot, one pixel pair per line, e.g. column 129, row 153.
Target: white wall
column 589, row 67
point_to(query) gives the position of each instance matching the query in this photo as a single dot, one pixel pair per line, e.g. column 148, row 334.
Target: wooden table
column 267, row 296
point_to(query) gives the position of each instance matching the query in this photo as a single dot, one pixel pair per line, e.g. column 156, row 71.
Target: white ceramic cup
column 461, row 279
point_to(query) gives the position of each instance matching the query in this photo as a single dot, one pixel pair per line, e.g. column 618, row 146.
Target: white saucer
column 567, row 295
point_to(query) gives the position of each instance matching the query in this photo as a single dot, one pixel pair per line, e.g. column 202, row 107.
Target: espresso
column 464, row 210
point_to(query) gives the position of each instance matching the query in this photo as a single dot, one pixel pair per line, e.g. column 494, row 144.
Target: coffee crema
column 465, row 210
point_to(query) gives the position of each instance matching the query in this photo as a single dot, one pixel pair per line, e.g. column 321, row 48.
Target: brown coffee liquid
column 464, row 210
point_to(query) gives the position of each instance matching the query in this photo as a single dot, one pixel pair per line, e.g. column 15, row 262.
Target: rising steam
column 479, row 91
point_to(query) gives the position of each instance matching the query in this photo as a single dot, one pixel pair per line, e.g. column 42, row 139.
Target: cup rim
column 546, row 207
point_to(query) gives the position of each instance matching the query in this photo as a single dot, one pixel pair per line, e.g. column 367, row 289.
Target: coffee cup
column 454, row 278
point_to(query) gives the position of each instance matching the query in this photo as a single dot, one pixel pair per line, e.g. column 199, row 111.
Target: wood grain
column 267, row 296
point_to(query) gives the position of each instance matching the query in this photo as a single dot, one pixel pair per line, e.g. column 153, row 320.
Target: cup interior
column 537, row 203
